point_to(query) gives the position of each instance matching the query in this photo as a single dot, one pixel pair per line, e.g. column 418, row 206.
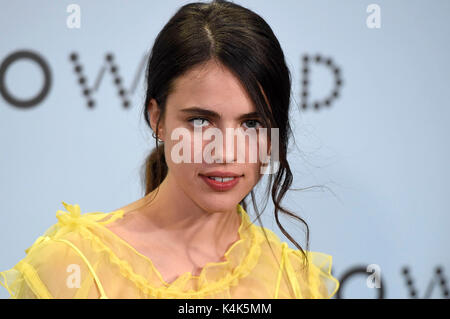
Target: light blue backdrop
column 380, row 149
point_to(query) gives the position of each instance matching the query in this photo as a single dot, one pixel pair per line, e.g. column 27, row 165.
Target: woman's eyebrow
column 200, row 111
column 251, row 115
column 205, row 112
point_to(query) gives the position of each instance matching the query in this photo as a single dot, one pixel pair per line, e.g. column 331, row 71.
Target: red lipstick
column 221, row 181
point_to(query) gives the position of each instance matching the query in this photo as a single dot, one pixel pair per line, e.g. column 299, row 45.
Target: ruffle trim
column 320, row 280
column 231, row 275
column 11, row 280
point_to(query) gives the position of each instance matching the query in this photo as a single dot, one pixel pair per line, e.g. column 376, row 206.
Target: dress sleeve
column 52, row 268
column 317, row 282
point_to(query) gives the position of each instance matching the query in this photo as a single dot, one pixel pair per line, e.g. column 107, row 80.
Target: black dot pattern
column 82, row 79
column 78, row 68
column 117, row 80
column 441, row 280
column 305, row 71
column 409, row 282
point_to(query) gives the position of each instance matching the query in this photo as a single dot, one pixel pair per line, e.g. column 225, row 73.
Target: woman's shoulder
column 66, row 248
column 50, row 266
column 71, row 226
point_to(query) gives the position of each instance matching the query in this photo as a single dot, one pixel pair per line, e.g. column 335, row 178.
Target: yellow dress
column 78, row 257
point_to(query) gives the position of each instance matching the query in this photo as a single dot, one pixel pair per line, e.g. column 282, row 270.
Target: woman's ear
column 154, row 115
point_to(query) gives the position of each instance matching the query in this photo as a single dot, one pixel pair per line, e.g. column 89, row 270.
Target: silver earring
column 154, row 136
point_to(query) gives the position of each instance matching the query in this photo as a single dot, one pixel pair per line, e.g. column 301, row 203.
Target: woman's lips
column 220, row 186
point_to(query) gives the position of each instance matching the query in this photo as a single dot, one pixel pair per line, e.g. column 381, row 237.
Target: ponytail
column 155, row 168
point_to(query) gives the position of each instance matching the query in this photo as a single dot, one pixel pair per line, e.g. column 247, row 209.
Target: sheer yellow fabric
column 78, row 257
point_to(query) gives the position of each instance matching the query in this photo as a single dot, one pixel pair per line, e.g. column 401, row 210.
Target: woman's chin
column 222, row 205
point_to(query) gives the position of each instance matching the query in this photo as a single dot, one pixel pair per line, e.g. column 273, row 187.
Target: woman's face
column 207, row 97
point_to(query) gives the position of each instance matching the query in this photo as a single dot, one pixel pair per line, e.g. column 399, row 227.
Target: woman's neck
column 185, row 225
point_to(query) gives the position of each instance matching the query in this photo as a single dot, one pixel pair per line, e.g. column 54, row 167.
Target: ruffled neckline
column 239, row 259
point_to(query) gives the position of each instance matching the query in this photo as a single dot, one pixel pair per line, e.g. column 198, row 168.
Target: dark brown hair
column 243, row 42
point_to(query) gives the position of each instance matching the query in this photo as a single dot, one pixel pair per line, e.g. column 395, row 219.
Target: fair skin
column 188, row 224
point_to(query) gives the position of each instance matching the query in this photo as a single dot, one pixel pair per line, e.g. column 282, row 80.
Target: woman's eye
column 198, row 121
column 252, row 124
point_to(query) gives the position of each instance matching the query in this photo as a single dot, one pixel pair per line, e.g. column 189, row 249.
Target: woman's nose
column 226, row 147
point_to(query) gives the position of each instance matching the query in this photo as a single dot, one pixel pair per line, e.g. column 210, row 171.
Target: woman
column 214, row 65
